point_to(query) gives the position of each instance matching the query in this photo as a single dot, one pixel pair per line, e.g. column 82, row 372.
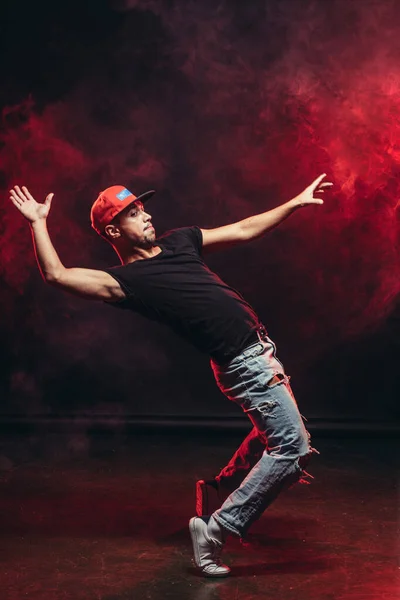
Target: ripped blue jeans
column 273, row 455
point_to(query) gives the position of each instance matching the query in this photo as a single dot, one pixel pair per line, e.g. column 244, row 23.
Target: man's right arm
column 86, row 283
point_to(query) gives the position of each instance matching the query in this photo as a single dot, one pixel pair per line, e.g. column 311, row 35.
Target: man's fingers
column 317, row 181
column 20, row 193
column 15, row 198
column 326, row 184
column 16, row 202
column 49, row 198
column 27, row 193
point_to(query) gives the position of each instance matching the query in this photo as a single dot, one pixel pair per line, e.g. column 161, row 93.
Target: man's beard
column 147, row 242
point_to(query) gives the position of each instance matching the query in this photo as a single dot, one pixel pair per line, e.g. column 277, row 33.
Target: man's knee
column 301, row 440
column 296, row 445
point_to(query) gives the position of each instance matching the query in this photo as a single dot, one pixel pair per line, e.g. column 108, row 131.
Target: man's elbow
column 53, row 277
column 244, row 232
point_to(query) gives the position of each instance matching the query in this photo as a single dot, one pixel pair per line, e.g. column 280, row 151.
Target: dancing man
column 166, row 279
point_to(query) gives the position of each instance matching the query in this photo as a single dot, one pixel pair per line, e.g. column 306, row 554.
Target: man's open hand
column 307, row 196
column 27, row 205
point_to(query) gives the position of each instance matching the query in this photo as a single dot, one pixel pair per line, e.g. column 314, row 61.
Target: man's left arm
column 255, row 226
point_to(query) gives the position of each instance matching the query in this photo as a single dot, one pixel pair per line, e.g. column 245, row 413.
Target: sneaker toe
column 214, row 570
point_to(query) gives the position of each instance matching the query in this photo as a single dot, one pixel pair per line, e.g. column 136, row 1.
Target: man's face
column 134, row 225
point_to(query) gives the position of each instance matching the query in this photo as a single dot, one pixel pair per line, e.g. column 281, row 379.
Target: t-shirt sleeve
column 196, row 237
column 184, row 236
column 118, row 274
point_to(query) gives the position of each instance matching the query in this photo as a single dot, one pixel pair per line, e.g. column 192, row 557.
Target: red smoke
column 229, row 109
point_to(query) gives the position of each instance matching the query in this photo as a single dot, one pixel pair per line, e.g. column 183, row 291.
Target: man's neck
column 135, row 254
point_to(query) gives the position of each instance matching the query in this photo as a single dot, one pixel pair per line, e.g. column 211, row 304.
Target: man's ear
column 112, row 231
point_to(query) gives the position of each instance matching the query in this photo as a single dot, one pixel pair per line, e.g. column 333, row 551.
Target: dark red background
column 227, row 109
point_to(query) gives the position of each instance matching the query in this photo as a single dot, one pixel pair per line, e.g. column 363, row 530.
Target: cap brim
column 128, row 202
column 145, row 196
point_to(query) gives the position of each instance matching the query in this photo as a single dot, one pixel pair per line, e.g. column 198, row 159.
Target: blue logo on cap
column 124, row 194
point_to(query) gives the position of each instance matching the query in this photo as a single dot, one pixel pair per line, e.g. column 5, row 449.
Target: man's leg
column 277, row 418
column 210, row 494
column 244, row 459
column 256, row 381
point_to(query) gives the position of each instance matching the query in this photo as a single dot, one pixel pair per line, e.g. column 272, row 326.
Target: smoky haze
column 227, row 109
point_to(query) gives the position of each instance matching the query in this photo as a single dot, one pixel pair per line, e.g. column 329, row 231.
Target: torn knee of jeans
column 277, row 379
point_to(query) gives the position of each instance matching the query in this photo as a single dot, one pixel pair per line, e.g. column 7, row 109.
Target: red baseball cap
column 110, row 203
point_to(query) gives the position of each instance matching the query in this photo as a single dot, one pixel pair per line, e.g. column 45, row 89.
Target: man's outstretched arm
column 255, row 226
column 87, row 283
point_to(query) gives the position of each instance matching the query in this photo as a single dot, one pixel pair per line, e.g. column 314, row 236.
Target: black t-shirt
column 177, row 288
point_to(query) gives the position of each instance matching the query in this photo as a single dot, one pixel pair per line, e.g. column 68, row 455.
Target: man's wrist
column 37, row 222
column 294, row 203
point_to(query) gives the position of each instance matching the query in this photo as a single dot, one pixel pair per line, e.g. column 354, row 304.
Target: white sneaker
column 207, row 550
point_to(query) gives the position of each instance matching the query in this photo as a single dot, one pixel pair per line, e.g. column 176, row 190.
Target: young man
column 166, row 280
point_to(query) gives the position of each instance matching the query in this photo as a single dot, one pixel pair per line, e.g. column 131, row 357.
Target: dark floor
column 104, row 516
